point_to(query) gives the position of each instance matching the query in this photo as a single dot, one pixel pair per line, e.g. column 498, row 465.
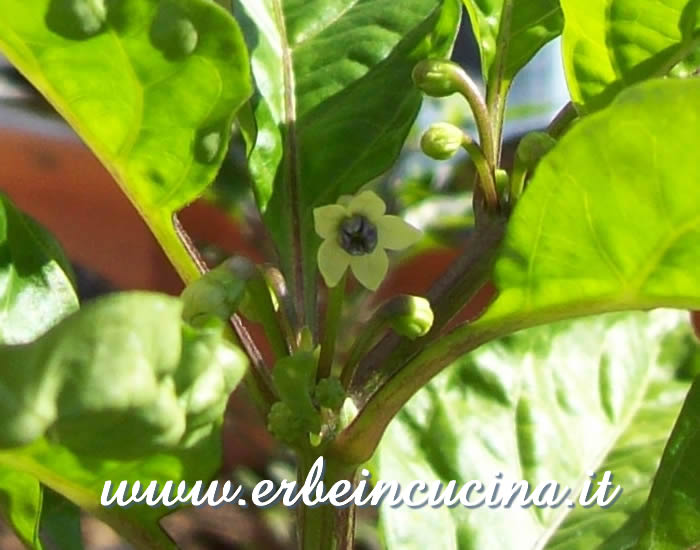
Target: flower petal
column 370, row 269
column 344, row 200
column 369, row 204
column 332, row 262
column 396, row 234
column 327, row 219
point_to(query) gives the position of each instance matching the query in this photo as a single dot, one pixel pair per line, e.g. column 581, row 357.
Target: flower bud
column 218, row 292
column 533, row 147
column 442, row 140
column 409, row 316
column 330, row 393
column 437, row 77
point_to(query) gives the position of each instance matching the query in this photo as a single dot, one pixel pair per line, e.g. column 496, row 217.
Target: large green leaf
column 334, row 101
column 532, row 24
column 609, row 222
column 611, row 44
column 121, row 390
column 672, row 515
column 552, row 403
column 152, row 86
column 36, row 289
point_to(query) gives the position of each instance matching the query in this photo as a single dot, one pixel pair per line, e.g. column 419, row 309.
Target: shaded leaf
column 672, row 515
column 152, row 86
column 60, row 521
column 334, row 102
column 552, row 403
column 611, row 44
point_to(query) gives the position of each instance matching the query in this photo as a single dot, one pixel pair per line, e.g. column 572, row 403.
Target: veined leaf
column 551, row 403
column 672, row 515
column 152, row 86
column 611, row 44
column 334, row 102
column 532, row 24
column 121, row 390
column 609, row 221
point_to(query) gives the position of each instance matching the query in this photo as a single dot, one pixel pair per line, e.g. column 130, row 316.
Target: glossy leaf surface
column 36, row 289
column 611, row 44
column 532, row 24
column 551, row 403
column 152, row 86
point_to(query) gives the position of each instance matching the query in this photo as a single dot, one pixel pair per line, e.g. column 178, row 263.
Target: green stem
column 326, row 527
column 470, row 91
column 265, row 309
column 562, row 121
column 485, row 170
column 498, row 85
column 334, row 308
column 362, row 343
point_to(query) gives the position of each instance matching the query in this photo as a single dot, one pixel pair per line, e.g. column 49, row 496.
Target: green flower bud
column 218, row 292
column 442, row 140
column 502, row 181
column 437, row 77
column 533, row 147
column 329, row 393
column 284, row 424
column 410, row 316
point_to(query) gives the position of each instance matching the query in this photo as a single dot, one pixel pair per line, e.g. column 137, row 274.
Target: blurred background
column 53, row 177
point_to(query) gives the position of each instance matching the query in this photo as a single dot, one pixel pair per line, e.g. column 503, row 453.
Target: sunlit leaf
column 152, row 86
column 611, row 44
column 551, row 403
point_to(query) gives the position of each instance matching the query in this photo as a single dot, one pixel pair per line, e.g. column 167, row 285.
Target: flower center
column 358, row 235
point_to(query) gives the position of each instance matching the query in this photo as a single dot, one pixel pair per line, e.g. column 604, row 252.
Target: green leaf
column 121, row 390
column 609, row 221
column 20, row 505
column 60, row 521
column 334, row 102
column 152, row 86
column 551, row 403
column 36, row 289
column 611, row 44
column 533, row 23
column 672, row 515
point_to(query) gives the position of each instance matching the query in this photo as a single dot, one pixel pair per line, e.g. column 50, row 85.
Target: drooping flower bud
column 218, row 292
column 442, row 140
column 533, row 147
column 437, row 77
column 409, row 316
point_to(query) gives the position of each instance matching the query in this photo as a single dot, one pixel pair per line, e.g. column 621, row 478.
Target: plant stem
column 470, row 91
column 334, row 308
column 260, row 297
column 498, row 85
column 325, row 527
column 562, row 121
column 190, row 265
column 485, row 170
